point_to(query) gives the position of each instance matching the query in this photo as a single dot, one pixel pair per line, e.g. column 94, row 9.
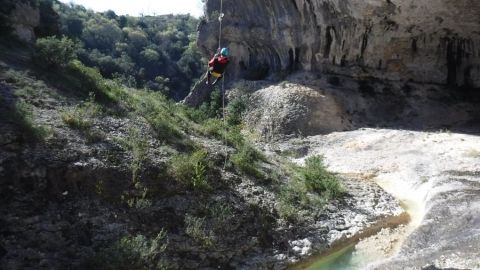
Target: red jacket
column 218, row 63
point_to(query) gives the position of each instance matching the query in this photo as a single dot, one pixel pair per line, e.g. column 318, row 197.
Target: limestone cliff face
column 424, row 41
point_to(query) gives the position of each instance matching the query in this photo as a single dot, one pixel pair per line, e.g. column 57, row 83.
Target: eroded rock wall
column 424, row 41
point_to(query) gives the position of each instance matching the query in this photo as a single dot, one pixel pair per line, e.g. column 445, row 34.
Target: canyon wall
column 417, row 40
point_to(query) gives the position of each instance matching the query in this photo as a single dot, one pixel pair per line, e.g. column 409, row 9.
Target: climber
column 217, row 65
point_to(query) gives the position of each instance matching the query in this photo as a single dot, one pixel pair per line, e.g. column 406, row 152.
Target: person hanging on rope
column 217, row 65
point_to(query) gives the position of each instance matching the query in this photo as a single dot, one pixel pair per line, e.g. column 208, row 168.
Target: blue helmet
column 225, row 51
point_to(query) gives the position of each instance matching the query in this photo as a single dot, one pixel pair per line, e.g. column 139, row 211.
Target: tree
column 110, row 14
column 138, row 39
column 5, row 9
column 122, row 21
column 74, row 26
column 101, row 34
column 54, row 52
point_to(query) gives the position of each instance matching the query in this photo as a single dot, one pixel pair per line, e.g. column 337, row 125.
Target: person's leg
column 209, row 75
column 219, row 78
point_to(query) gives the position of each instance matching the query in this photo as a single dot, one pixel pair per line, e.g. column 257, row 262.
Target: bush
column 83, row 78
column 318, row 180
column 234, row 111
column 138, row 145
column 213, row 127
column 191, row 170
column 234, row 137
column 292, row 197
column 196, row 228
column 163, row 127
column 54, row 52
column 213, row 108
column 246, row 160
column 32, row 131
column 132, row 252
column 81, row 116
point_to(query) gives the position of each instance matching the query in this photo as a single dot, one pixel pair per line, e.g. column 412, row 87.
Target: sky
column 146, row 7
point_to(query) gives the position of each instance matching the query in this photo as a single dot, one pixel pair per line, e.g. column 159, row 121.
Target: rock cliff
column 424, row 41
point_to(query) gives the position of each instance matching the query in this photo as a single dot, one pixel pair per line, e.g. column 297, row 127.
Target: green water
column 344, row 259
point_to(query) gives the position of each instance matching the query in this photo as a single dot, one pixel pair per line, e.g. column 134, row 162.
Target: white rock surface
column 436, row 175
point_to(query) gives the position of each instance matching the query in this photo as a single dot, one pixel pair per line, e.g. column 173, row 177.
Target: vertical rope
column 220, row 19
column 224, row 123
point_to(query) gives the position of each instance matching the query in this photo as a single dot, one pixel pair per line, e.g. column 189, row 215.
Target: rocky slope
column 424, row 41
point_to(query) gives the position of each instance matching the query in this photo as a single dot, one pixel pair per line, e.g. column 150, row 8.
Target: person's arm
column 212, row 61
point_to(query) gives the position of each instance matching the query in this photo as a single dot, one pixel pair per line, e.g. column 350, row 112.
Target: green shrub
column 32, row 131
column 234, row 137
column 138, row 145
column 221, row 215
column 54, row 52
column 132, row 252
column 86, row 79
column 193, row 114
column 234, row 111
column 199, row 179
column 246, row 160
column 318, row 179
column 213, row 127
column 81, row 116
column 164, row 128
column 191, row 170
column 196, row 228
column 213, row 108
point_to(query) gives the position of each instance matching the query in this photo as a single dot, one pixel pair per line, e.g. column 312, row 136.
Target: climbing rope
column 224, row 123
column 220, row 20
